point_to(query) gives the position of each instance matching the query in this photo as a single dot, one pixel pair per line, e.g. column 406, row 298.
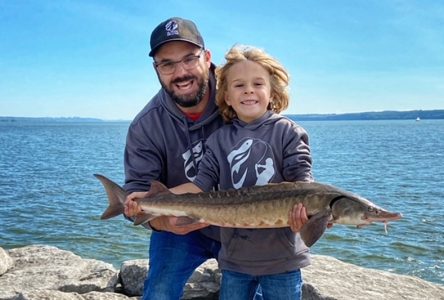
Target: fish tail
column 116, row 197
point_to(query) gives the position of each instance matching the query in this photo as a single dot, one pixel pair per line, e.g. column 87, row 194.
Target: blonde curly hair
column 279, row 79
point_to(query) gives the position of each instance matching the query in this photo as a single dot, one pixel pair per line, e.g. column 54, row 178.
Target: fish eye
column 373, row 210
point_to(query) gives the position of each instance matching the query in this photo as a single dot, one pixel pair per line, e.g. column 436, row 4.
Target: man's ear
column 208, row 57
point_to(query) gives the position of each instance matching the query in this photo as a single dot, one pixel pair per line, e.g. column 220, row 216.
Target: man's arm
column 143, row 161
column 164, row 223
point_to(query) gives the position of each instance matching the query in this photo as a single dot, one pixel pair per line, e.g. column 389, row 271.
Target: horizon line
column 293, row 114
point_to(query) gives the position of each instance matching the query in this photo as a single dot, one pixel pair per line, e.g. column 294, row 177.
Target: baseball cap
column 175, row 29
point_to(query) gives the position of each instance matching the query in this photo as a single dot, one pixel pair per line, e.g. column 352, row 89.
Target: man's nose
column 179, row 69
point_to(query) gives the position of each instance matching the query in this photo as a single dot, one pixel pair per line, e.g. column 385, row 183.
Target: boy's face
column 186, row 85
column 248, row 90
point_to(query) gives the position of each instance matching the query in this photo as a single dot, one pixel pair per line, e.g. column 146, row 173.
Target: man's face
column 186, row 85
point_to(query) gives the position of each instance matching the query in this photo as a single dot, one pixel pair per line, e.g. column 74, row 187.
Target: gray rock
column 132, row 275
column 203, row 284
column 47, row 295
column 5, row 261
column 329, row 278
column 43, row 272
column 49, row 268
column 56, row 295
column 107, row 296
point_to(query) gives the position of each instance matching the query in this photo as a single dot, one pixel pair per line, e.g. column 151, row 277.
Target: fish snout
column 375, row 214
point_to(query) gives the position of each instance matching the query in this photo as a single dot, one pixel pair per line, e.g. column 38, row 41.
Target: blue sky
column 89, row 58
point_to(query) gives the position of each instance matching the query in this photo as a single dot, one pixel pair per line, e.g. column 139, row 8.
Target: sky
column 89, row 58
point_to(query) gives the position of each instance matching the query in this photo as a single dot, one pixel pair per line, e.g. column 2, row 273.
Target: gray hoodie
column 270, row 149
column 162, row 144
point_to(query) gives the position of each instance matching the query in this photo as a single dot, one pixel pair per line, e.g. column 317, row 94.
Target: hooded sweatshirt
column 163, row 144
column 270, row 149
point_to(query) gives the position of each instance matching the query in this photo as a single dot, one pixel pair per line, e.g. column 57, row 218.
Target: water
column 49, row 195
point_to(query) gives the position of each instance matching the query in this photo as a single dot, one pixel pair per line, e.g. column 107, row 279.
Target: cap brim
column 154, row 50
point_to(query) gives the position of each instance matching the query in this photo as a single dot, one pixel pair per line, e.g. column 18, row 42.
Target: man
column 165, row 142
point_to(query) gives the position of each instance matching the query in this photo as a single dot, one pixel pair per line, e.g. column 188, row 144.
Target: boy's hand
column 297, row 217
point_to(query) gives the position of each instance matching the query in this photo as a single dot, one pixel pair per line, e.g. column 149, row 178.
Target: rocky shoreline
column 46, row 272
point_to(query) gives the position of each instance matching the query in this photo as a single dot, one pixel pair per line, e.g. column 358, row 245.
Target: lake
column 49, row 195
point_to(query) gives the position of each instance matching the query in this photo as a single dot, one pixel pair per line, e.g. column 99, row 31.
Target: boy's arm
column 186, row 188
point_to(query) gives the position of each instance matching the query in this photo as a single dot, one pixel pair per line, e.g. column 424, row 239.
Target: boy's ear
column 227, row 101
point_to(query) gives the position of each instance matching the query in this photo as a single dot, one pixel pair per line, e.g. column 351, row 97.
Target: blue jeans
column 173, row 258
column 239, row 286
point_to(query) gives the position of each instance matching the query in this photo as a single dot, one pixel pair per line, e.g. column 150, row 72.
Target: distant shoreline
column 382, row 115
column 4, row 119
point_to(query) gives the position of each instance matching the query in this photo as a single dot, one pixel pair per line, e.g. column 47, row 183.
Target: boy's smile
column 248, row 90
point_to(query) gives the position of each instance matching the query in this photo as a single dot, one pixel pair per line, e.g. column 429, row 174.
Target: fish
column 265, row 206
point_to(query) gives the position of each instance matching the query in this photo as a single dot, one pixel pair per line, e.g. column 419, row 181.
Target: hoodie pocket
column 230, row 240
column 258, row 244
column 291, row 241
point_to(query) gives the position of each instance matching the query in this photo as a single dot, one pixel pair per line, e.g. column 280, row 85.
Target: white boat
column 418, row 119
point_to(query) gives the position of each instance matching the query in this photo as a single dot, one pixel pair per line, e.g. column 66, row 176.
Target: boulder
column 132, row 276
column 203, row 284
column 5, row 261
column 37, row 268
column 43, row 272
column 328, row 278
column 57, row 295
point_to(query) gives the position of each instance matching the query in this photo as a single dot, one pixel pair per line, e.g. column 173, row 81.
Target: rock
column 43, row 272
column 5, row 261
column 329, row 279
column 132, row 275
column 107, row 296
column 56, row 295
column 49, row 268
column 47, row 294
column 203, row 284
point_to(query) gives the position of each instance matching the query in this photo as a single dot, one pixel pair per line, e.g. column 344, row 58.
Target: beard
column 189, row 100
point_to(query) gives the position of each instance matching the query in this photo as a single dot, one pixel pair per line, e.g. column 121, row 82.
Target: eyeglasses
column 188, row 62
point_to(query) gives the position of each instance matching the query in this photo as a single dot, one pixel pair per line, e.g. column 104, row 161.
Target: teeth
column 249, row 101
column 185, row 85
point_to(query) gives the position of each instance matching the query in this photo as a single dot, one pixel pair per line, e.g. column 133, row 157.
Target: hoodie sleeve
column 142, row 160
column 208, row 175
column 297, row 161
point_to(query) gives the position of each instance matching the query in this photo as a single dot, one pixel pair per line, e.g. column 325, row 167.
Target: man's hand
column 131, row 206
column 297, row 217
column 162, row 223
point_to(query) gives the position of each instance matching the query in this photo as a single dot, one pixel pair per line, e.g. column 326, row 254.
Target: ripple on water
column 414, row 249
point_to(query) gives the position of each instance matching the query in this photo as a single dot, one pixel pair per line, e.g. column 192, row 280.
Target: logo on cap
column 172, row 28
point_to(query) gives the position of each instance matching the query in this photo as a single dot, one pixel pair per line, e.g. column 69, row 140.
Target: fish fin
column 183, row 221
column 157, row 188
column 142, row 218
column 116, row 197
column 315, row 227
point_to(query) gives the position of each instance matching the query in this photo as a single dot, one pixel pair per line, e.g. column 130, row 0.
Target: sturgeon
column 264, row 206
